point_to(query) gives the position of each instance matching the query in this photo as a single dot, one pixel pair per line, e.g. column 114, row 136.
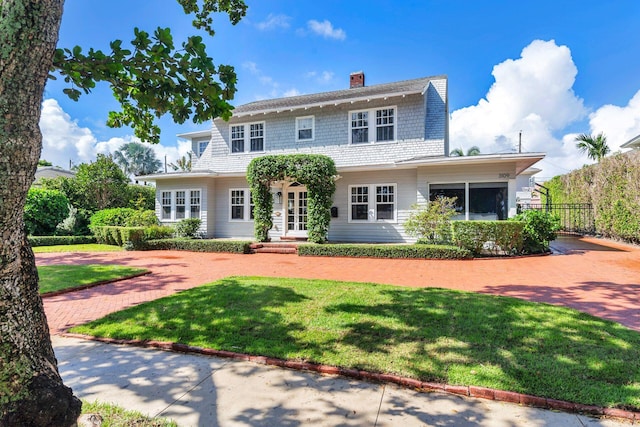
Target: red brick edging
column 423, row 386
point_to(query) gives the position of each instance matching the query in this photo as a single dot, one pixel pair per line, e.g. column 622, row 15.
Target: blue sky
column 549, row 68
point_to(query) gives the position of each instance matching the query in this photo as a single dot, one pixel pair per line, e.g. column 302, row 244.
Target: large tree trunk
column 31, row 390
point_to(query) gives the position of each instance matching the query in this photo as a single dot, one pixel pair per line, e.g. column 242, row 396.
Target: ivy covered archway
column 315, row 171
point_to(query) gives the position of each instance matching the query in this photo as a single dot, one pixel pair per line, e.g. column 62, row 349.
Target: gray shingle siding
column 421, row 124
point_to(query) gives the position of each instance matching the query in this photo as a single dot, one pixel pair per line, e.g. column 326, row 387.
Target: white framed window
column 240, row 205
column 373, row 203
column 376, row 125
column 179, row 204
column 202, row 145
column 475, row 200
column 181, row 208
column 247, row 137
column 237, row 139
column 256, row 137
column 194, row 204
column 165, row 202
column 359, row 127
column 305, row 128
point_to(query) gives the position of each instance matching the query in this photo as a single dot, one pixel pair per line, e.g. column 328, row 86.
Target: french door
column 296, row 217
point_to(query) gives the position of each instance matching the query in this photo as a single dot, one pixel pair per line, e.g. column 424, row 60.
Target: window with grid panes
column 237, row 139
column 360, row 203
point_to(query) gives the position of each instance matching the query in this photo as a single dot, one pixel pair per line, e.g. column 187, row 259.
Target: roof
column 365, row 93
column 632, row 143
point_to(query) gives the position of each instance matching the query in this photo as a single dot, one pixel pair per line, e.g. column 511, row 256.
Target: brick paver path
column 601, row 278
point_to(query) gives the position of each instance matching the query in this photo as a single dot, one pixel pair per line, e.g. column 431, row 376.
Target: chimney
column 356, row 79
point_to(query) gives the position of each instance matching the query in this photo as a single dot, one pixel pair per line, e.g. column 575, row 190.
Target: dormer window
column 248, row 136
column 305, row 128
column 202, row 145
column 378, row 125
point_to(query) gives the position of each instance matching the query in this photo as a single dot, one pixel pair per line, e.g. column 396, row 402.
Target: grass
column 59, row 277
column 430, row 334
column 92, row 247
column 115, row 416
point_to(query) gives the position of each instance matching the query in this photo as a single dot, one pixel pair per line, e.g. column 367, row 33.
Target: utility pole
column 520, row 143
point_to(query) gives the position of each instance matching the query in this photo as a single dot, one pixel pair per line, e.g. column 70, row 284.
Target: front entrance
column 296, row 211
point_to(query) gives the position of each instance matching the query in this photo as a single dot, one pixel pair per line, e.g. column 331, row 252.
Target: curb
column 93, row 285
column 421, row 386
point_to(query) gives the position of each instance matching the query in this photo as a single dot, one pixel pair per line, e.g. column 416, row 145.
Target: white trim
column 313, row 129
column 372, row 203
column 246, row 205
column 372, row 126
column 246, row 138
column 285, row 210
column 172, row 204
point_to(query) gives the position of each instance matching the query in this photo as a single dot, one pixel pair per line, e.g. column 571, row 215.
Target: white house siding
column 207, row 204
column 224, row 227
column 341, row 230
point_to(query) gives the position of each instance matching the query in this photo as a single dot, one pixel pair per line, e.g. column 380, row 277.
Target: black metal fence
column 574, row 217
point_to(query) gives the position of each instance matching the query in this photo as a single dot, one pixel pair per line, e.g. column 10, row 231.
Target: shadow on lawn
column 500, row 342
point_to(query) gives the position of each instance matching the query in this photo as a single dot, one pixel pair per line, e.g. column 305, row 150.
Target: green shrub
column 420, row 251
column 44, row 210
column 432, row 222
column 489, row 237
column 111, row 217
column 118, row 236
column 124, row 217
column 60, row 240
column 188, row 228
column 200, row 245
column 156, row 232
column 540, row 228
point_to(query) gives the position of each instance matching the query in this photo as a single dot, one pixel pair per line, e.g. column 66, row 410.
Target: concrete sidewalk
column 205, row 391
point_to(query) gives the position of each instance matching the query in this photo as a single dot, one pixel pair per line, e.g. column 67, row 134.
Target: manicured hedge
column 60, row 240
column 114, row 235
column 489, row 237
column 385, row 251
column 230, row 246
column 612, row 187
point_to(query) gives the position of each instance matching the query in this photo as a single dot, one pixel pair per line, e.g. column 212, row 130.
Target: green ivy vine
column 315, row 171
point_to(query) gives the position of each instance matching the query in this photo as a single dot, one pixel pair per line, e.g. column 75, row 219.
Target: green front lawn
column 115, row 416
column 90, row 247
column 430, row 334
column 59, row 277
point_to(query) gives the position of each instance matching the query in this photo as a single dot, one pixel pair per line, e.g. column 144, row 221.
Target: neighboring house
column 389, row 143
column 50, row 172
column 632, row 143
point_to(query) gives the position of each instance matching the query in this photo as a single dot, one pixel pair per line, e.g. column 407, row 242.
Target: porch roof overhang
column 632, row 143
column 173, row 175
column 195, row 134
column 523, row 161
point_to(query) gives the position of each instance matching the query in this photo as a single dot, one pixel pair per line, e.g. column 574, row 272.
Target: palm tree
column 137, row 159
column 595, row 146
column 457, row 152
column 183, row 164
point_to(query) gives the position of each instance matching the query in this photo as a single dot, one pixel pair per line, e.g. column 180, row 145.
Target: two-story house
column 390, row 145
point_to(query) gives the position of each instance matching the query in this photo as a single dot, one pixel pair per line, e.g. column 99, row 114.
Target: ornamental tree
column 150, row 77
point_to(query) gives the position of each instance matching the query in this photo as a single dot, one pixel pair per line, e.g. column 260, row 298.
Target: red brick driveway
column 598, row 277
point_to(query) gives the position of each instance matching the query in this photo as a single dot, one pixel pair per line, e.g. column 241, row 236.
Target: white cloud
column 64, row 141
column 326, row 30
column 273, row 22
column 533, row 94
column 619, row 124
column 323, row 77
column 273, row 88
